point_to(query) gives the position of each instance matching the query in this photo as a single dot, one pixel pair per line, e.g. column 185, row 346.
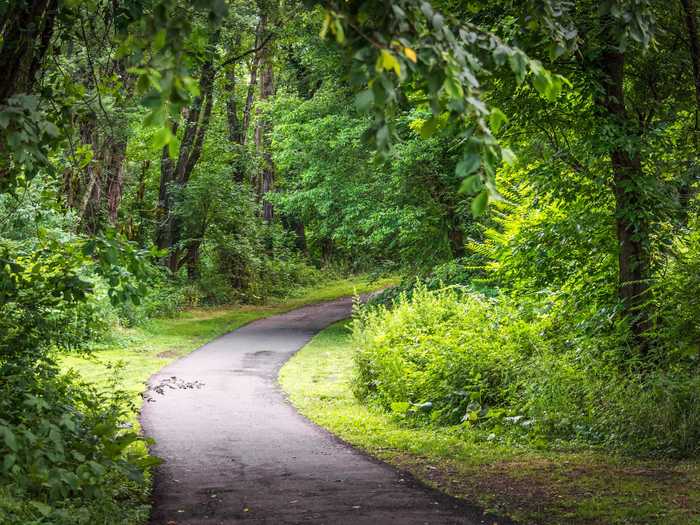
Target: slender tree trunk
column 114, row 165
column 326, row 251
column 455, row 234
column 262, row 132
column 631, row 226
column 694, row 47
column 294, row 224
column 300, row 232
column 163, row 209
column 135, row 232
column 115, row 150
column 192, row 259
column 253, row 82
column 90, row 184
column 235, row 127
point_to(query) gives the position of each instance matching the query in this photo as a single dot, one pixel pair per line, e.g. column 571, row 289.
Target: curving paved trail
column 236, row 452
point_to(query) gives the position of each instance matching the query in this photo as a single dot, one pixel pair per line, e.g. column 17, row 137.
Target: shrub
column 66, row 449
column 461, row 354
column 523, row 370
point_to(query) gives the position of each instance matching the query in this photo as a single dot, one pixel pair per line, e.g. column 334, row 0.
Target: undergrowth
column 519, row 373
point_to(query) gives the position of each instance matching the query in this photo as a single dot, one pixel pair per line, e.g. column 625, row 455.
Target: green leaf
column 161, row 137
column 471, row 184
column 51, row 129
column 364, row 100
column 453, row 88
column 9, row 460
column 10, row 439
column 468, row 165
column 496, row 119
column 388, row 61
column 339, row 31
column 173, row 147
column 508, row 156
column 479, row 203
column 43, row 508
column 429, row 127
column 518, row 63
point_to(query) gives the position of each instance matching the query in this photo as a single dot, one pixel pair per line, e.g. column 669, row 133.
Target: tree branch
column 243, row 55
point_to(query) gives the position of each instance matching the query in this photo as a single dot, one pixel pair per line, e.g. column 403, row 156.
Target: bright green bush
column 462, row 353
column 522, row 371
column 677, row 298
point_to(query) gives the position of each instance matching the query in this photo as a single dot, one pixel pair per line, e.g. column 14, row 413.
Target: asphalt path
column 235, row 451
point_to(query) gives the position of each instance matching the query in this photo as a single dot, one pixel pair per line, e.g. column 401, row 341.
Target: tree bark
column 135, row 232
column 455, row 235
column 253, row 82
column 631, row 226
column 163, row 209
column 114, row 164
column 326, row 251
column 262, row 132
column 235, row 127
column 25, row 40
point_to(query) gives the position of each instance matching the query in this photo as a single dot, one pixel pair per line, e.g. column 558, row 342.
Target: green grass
column 529, row 485
column 144, row 350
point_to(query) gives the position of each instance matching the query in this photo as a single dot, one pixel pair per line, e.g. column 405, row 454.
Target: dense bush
column 524, row 371
column 68, row 453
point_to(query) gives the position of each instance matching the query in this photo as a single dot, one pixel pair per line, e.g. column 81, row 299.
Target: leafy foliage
column 507, row 370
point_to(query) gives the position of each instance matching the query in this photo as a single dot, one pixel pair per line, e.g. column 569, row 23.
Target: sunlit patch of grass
column 532, row 486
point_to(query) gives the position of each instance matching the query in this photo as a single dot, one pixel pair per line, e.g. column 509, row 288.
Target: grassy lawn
column 144, row 350
column 531, row 486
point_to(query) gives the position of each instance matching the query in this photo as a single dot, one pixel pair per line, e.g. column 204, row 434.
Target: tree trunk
column 326, row 251
column 192, row 259
column 262, row 132
column 252, row 84
column 26, row 35
column 301, row 237
column 197, row 119
column 163, row 209
column 135, row 232
column 235, row 127
column 293, row 224
column 455, row 235
column 114, row 165
column 90, row 184
column 115, row 149
column 25, row 40
column 631, row 226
